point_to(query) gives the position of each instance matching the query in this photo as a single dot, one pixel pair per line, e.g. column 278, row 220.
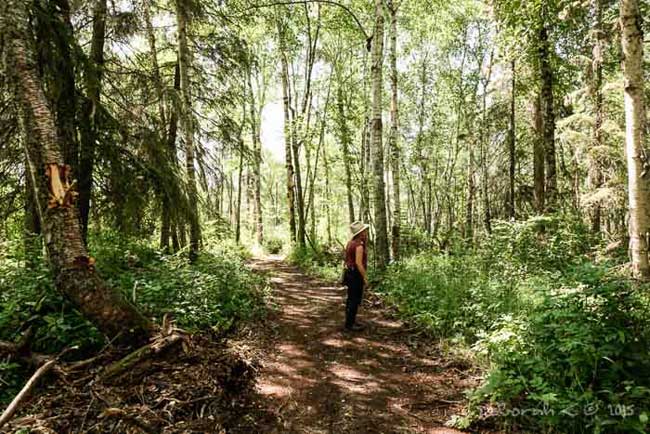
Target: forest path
column 318, row 379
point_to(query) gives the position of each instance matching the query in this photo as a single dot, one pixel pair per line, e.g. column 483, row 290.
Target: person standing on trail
column 355, row 277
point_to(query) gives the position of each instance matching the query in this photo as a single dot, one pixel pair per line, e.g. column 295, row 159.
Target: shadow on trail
column 323, row 380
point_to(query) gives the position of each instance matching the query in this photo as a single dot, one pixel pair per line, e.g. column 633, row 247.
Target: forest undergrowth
column 211, row 297
column 555, row 323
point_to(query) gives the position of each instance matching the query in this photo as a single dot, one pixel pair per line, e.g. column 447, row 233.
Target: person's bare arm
column 359, row 262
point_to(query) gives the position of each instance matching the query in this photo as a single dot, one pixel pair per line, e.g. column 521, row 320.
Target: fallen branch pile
column 176, row 383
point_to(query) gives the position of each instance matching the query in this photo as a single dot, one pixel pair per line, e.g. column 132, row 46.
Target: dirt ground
column 316, row 378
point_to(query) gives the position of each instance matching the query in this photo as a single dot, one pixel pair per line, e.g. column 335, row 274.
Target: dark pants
column 354, row 282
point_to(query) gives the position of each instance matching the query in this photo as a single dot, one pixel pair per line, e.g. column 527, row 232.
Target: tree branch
column 327, row 2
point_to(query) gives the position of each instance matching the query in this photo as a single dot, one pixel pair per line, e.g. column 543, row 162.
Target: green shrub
column 273, row 245
column 540, row 244
column 324, row 261
column 212, row 293
column 449, row 296
column 580, row 362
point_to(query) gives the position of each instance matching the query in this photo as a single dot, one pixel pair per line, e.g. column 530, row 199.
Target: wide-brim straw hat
column 357, row 227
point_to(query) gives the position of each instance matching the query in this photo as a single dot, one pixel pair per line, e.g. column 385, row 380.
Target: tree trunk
column 286, row 98
column 346, row 142
column 90, row 112
column 595, row 172
column 635, row 119
column 165, row 221
column 471, row 194
column 257, row 165
column 54, row 33
column 382, row 254
column 512, row 155
column 155, row 68
column 538, row 156
column 239, row 188
column 187, row 121
column 547, row 77
column 485, row 134
column 72, row 268
column 33, row 217
column 328, row 196
column 394, row 133
column 168, row 224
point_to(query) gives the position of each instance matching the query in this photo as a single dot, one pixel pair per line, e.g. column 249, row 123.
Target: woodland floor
column 295, row 371
column 316, row 378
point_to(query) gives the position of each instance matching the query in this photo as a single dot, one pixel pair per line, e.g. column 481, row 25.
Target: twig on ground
column 27, row 388
column 13, row 406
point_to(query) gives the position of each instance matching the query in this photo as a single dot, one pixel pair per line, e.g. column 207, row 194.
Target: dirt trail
column 318, row 379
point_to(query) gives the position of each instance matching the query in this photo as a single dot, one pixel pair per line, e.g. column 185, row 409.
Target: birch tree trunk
column 379, row 194
column 73, row 269
column 394, row 132
column 187, row 122
column 635, row 119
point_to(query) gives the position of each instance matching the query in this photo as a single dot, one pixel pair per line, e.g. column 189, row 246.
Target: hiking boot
column 355, row 328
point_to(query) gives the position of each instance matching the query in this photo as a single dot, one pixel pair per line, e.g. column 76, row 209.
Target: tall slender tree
column 394, row 131
column 548, row 106
column 187, row 121
column 596, row 88
column 382, row 253
column 288, row 148
column 635, row 125
column 91, row 112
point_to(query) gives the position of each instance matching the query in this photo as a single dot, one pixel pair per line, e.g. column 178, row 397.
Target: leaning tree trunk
column 547, row 76
column 394, row 131
column 72, row 267
column 637, row 159
column 379, row 195
column 90, row 112
column 187, row 122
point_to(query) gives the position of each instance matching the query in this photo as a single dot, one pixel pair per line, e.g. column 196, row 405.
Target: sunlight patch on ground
column 268, row 389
